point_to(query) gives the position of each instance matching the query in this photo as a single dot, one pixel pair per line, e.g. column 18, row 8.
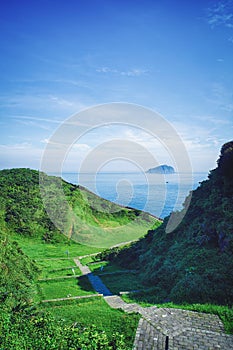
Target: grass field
column 53, row 261
column 96, row 311
column 36, row 249
column 57, row 268
column 65, row 288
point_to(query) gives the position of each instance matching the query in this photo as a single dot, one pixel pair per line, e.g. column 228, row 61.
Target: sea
column 158, row 194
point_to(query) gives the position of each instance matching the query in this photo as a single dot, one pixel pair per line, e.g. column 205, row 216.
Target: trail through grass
column 56, row 260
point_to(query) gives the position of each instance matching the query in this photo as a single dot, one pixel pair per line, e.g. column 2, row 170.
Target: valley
column 117, row 296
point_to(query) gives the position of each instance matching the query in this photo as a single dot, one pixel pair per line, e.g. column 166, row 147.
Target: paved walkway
column 181, row 329
column 169, row 329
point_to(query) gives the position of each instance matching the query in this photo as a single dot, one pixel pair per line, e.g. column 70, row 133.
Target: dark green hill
column 78, row 213
column 193, row 263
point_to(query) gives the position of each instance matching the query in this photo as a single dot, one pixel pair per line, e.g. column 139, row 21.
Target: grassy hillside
column 194, row 263
column 44, row 272
column 26, row 324
column 79, row 214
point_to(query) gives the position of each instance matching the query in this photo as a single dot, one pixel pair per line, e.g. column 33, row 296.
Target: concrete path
column 165, row 328
column 72, row 298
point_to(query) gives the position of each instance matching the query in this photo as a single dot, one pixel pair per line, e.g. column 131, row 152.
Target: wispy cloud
column 201, row 142
column 212, row 120
column 35, row 81
column 62, row 101
column 220, row 14
column 16, row 146
column 31, row 119
column 45, row 103
column 22, row 154
column 106, row 70
column 221, row 97
column 136, row 72
column 33, row 124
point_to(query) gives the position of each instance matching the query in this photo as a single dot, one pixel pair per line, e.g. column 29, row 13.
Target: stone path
column 183, row 329
column 165, row 328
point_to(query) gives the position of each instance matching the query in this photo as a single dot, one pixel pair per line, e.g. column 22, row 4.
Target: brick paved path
column 186, row 330
column 165, row 328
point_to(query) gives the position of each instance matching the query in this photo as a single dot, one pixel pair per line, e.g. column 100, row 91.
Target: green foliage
column 39, row 331
column 95, row 311
column 193, row 263
column 16, row 278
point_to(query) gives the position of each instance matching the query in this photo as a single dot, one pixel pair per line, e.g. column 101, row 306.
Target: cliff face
column 193, row 263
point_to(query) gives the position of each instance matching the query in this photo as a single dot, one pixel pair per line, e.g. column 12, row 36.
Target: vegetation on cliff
column 193, row 263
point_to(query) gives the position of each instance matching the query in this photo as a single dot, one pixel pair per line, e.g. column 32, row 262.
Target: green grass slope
column 26, row 324
column 193, row 263
column 79, row 214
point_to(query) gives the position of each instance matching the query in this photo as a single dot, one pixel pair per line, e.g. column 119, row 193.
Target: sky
column 59, row 58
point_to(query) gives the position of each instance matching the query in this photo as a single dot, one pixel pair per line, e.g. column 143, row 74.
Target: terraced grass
column 55, row 263
column 79, row 286
column 55, row 260
column 87, row 260
column 57, row 268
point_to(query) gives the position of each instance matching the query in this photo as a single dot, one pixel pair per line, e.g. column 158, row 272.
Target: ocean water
column 154, row 193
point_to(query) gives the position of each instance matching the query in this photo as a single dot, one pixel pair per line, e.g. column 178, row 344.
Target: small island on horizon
column 161, row 169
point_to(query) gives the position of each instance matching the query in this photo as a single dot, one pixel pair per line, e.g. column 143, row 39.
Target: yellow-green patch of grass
column 37, row 249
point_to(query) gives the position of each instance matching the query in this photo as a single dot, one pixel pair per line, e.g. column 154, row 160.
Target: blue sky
column 58, row 58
